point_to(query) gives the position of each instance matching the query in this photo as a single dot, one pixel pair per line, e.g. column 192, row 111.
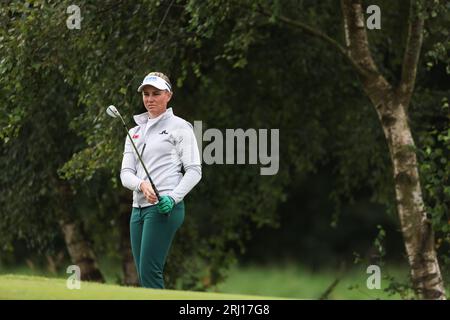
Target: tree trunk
column 130, row 277
column 416, row 227
column 80, row 252
column 79, row 249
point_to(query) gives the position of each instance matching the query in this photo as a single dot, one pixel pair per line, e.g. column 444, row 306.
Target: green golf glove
column 165, row 205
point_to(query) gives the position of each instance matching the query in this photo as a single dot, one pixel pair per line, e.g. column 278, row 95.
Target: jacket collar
column 141, row 119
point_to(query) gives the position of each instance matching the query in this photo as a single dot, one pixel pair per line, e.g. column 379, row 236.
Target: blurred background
column 310, row 231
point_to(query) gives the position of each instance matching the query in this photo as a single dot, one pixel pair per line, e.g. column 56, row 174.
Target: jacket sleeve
column 128, row 170
column 187, row 150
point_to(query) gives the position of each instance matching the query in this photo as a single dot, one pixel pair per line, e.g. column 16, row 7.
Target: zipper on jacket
column 142, row 152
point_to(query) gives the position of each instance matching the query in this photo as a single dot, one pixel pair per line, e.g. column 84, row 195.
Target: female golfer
column 168, row 148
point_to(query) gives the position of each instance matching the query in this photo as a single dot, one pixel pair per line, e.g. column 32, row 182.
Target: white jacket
column 167, row 145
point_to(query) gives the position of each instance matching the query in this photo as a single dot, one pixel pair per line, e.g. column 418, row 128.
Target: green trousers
column 151, row 236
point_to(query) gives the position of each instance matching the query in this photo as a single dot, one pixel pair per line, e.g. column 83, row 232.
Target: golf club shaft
column 142, row 162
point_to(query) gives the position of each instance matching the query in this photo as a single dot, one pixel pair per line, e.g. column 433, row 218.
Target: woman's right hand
column 148, row 191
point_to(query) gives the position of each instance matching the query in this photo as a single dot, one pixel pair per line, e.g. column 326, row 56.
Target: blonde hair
column 161, row 75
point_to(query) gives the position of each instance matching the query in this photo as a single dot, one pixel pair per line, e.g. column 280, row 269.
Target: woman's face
column 155, row 100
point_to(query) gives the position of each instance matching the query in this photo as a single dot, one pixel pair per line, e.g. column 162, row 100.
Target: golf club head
column 112, row 111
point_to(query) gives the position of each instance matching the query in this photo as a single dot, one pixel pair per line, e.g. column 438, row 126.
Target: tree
column 36, row 141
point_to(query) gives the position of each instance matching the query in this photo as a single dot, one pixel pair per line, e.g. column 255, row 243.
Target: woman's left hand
column 165, row 204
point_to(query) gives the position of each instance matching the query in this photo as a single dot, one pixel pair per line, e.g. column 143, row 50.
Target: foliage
column 233, row 67
column 435, row 173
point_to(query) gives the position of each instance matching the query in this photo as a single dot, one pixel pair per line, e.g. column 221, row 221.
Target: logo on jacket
column 164, row 132
column 135, row 136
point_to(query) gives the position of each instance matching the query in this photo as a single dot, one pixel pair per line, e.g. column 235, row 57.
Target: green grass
column 301, row 283
column 35, row 288
column 110, row 268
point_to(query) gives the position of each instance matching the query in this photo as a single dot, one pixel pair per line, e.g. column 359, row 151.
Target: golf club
column 113, row 112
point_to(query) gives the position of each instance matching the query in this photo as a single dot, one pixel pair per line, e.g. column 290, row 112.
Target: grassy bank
column 37, row 288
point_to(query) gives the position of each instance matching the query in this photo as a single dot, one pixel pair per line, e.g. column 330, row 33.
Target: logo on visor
column 151, row 78
column 135, row 136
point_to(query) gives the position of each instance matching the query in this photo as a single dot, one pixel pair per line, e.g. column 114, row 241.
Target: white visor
column 155, row 81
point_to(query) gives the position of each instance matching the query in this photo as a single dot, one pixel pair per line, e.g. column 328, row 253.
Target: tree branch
column 163, row 19
column 319, row 34
column 376, row 86
column 356, row 35
column 345, row 27
column 412, row 53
